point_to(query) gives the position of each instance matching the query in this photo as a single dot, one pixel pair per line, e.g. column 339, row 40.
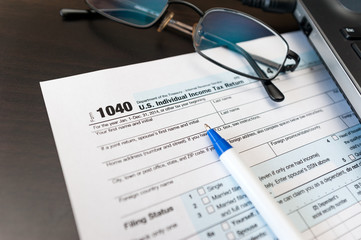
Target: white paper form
column 138, row 164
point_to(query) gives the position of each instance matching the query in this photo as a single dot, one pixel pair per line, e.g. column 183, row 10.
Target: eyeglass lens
column 244, row 45
column 137, row 13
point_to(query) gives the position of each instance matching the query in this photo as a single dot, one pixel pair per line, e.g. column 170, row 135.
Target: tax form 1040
column 138, row 163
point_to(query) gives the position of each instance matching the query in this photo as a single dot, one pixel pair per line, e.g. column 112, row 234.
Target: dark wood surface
column 36, row 45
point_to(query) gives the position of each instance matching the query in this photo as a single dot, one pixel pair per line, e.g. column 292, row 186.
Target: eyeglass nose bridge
column 168, row 20
column 165, row 21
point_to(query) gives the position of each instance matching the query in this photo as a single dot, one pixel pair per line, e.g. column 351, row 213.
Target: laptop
column 334, row 29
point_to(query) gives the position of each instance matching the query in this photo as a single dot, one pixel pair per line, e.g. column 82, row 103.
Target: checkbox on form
column 210, row 209
column 201, row 191
column 225, row 226
column 230, row 236
column 205, row 200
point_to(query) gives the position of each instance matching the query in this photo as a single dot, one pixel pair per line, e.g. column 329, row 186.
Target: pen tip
column 207, row 127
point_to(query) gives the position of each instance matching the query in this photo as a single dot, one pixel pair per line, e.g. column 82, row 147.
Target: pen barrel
column 256, row 192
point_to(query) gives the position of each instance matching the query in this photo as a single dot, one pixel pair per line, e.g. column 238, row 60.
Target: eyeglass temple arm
column 75, row 14
column 290, row 67
column 273, row 92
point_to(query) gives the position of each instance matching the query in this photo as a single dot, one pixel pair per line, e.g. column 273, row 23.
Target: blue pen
column 254, row 189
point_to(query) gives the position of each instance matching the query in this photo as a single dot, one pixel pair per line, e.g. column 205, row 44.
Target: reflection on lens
column 240, row 44
column 139, row 13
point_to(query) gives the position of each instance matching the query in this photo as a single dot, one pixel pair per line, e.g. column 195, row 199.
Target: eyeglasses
column 230, row 39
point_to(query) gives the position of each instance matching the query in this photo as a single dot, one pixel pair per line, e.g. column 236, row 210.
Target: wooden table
column 37, row 45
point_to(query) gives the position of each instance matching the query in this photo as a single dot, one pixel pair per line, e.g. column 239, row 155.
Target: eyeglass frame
column 274, row 93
